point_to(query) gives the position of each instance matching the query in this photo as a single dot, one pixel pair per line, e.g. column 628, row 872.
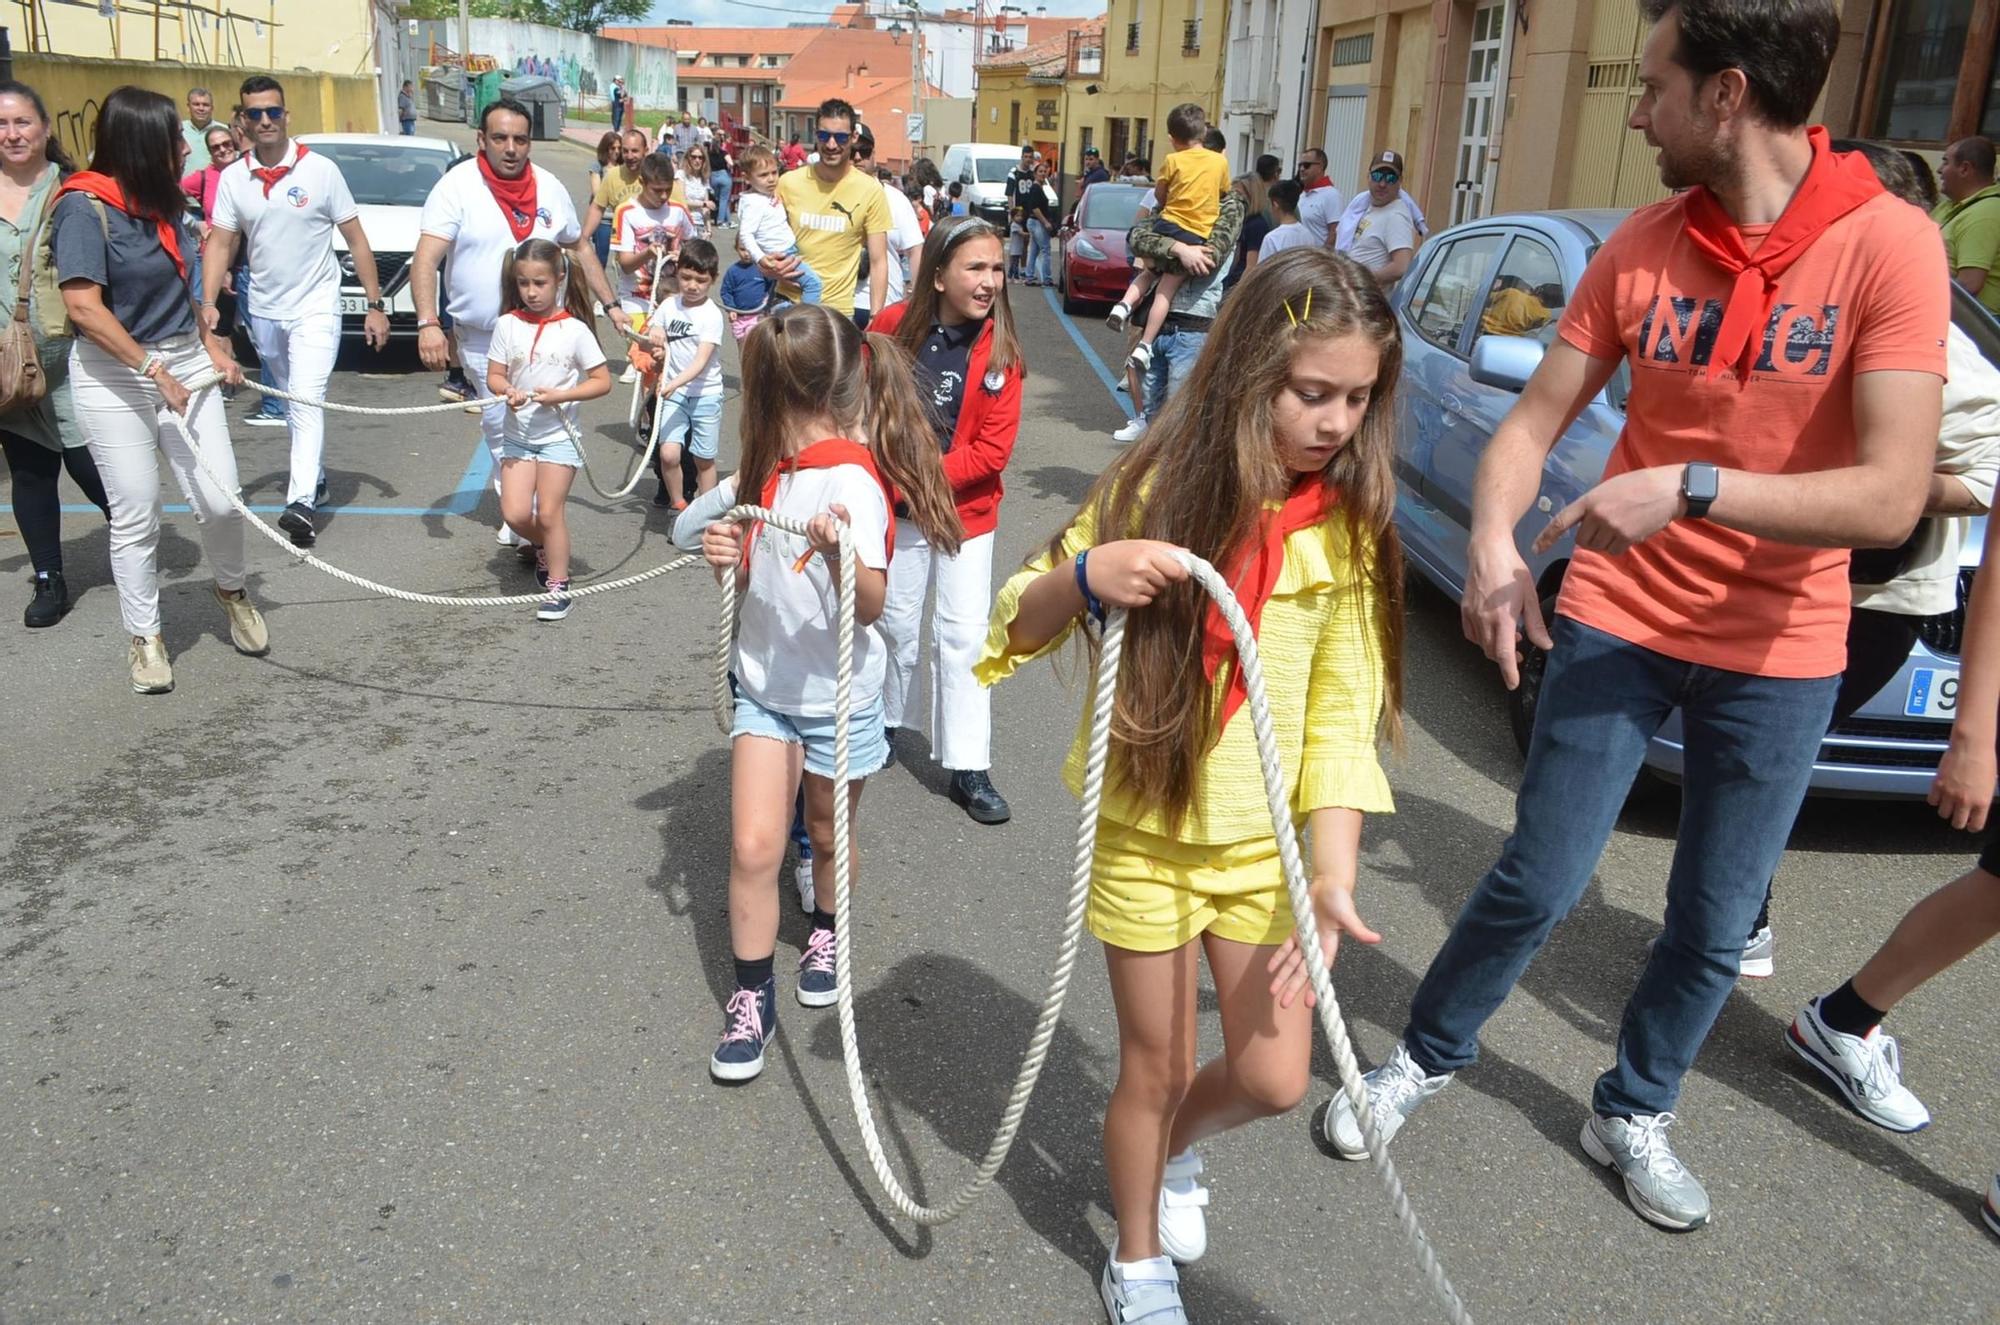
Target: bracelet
column 150, row 365
column 426, row 323
column 1090, row 600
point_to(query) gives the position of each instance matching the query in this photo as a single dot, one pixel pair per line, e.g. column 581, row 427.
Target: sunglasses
column 829, row 136
column 1384, row 176
column 255, row 113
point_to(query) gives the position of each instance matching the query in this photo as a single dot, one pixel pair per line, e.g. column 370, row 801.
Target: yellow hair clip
column 1297, row 319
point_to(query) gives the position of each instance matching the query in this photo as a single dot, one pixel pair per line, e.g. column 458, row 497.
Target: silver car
column 1477, row 309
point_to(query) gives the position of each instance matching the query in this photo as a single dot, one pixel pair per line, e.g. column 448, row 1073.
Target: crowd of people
column 878, row 344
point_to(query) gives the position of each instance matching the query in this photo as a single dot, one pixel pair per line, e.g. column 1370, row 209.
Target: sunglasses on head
column 829, row 136
column 1384, row 176
column 254, row 113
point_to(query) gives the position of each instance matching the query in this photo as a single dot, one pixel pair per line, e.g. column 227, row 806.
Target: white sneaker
column 1133, row 430
column 1118, row 316
column 1148, row 1291
column 1990, row 1209
column 1657, row 1184
column 1760, row 956
column 629, row 376
column 1183, row 1226
column 1395, row 1089
column 802, row 879
column 1868, row 1070
column 1141, row 356
column 505, row 535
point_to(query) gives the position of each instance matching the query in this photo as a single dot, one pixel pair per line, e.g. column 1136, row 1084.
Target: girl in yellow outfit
column 1273, row 463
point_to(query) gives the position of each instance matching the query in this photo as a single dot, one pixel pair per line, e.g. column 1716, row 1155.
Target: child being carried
column 1190, row 187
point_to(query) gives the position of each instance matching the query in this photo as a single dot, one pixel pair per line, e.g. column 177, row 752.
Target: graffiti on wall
column 76, row 130
column 579, row 63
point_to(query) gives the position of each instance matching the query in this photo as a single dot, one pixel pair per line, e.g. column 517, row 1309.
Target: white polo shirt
column 462, row 211
column 1319, row 211
column 289, row 230
column 905, row 232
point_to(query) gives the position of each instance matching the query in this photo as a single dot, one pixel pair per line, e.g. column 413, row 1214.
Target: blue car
column 1478, row 308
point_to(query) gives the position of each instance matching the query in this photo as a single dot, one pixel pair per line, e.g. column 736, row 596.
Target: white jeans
column 126, row 425
column 473, row 343
column 961, row 708
column 299, row 355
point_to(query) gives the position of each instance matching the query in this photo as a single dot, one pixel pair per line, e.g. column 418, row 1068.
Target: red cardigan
column 983, row 439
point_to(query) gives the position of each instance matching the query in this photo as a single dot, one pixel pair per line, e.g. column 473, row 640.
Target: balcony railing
column 1191, row 37
column 1250, row 78
column 1131, row 38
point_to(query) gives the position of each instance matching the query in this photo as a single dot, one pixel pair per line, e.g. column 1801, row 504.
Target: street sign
column 915, row 126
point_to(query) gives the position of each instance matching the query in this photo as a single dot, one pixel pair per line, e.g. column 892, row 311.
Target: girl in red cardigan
column 957, row 327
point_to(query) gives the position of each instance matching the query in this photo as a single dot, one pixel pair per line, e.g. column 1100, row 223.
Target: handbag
column 23, row 381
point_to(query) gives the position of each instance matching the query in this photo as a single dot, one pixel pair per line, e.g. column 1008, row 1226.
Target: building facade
column 1157, row 54
column 1030, row 95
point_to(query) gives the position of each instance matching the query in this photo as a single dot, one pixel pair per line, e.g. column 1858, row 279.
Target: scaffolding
column 218, row 41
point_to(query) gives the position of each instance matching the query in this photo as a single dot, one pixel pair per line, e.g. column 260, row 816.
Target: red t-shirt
column 1870, row 295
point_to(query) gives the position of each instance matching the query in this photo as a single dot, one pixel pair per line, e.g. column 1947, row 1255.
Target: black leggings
column 37, row 507
column 1878, row 644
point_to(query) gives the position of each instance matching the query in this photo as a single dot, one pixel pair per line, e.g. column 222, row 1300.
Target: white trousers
column 299, row 355
column 473, row 344
column 127, row 426
column 961, row 709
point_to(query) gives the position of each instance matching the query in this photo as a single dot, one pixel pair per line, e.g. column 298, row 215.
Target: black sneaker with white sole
column 297, row 522
column 974, row 790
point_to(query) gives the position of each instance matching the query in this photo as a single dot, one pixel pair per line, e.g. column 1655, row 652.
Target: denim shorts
column 699, row 423
column 555, row 451
column 868, row 738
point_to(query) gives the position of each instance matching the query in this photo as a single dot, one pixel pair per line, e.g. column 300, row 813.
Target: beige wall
column 331, row 36
column 74, row 88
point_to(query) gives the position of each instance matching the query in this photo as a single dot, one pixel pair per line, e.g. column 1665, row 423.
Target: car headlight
column 1083, row 248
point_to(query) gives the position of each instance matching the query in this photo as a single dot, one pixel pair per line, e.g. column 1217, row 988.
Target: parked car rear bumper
column 1096, row 282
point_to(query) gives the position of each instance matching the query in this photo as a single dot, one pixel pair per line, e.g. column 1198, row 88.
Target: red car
column 1094, row 265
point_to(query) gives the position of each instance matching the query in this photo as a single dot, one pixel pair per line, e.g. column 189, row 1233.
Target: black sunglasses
column 829, row 136
column 263, row 112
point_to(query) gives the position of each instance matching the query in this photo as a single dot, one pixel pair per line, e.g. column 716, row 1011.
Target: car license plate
column 1933, row 693
column 353, row 303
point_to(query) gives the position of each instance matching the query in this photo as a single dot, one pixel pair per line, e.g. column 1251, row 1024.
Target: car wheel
column 1523, row 699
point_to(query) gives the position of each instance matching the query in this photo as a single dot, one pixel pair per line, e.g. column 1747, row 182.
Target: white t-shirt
column 290, row 233
column 561, row 356
column 1292, row 234
column 787, row 626
column 688, row 329
column 905, row 231
column 762, row 226
column 1381, row 234
column 1319, row 209
column 463, row 212
column 695, row 189
column 634, row 226
column 1359, row 206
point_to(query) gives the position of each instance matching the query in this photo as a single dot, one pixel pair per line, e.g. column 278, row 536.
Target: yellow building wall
column 331, row 36
column 74, row 88
column 1148, row 83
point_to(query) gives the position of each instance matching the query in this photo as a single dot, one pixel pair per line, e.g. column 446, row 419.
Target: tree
column 577, row 15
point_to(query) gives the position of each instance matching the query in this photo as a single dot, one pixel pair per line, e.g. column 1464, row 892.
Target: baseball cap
column 1092, row 151
column 1392, row 160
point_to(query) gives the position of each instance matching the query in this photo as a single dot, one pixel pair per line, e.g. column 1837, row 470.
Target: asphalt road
column 376, row 979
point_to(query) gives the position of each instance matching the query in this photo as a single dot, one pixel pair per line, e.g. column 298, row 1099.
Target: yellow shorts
column 1153, row 894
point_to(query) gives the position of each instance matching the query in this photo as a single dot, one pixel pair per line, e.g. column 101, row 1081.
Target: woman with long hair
column 42, row 439
column 960, row 332
column 1258, row 218
column 607, row 157
column 1274, row 464
column 122, row 250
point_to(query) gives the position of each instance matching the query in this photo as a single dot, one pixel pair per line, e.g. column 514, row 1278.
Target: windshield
column 993, row 169
column 1110, row 207
column 386, row 174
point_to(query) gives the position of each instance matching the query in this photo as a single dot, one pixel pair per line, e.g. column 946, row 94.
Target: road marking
column 1089, row 355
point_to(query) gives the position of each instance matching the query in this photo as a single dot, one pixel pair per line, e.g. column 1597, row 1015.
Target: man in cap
column 1385, row 238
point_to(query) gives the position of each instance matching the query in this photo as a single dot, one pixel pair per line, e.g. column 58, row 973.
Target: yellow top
column 1191, row 186
column 1323, row 672
column 616, row 189
column 832, row 222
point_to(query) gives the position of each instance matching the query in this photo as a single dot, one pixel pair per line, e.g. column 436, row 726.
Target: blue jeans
column 409, row 128
column 600, row 239
column 719, row 185
column 1750, row 744
column 1174, row 354
column 1038, row 251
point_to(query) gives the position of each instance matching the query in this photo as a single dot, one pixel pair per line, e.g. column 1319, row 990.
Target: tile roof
column 1048, row 56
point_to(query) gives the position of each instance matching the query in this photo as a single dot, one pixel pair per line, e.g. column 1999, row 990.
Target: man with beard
column 1784, row 321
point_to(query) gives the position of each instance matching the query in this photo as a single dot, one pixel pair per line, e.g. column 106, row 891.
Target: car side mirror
column 1506, row 362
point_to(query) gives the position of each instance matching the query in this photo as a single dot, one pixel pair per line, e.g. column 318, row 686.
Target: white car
column 389, row 176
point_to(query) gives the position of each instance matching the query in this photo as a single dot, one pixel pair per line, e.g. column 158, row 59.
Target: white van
column 982, row 169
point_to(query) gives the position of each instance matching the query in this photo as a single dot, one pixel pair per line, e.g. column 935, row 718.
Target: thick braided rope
column 390, row 591
column 1110, row 653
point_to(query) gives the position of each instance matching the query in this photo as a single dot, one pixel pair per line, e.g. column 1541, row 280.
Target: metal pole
column 464, row 35
column 916, row 74
column 6, row 54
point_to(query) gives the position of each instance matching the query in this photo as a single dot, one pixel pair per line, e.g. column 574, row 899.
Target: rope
column 1111, row 651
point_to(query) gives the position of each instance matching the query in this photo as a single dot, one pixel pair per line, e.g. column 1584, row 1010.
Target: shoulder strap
column 34, row 248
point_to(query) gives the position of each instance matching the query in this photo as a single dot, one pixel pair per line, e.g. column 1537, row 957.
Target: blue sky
column 738, row 13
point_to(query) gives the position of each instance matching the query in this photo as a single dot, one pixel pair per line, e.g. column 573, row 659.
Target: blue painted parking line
column 464, row 499
column 1089, row 355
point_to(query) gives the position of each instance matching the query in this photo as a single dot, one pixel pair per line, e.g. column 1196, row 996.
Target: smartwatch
column 1700, row 482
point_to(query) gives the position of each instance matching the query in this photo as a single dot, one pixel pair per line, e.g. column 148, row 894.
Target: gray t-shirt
column 147, row 295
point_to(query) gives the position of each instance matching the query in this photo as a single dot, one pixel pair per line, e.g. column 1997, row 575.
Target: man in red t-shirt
column 1784, row 320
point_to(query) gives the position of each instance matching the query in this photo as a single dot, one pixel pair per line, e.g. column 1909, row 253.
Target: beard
column 1698, row 161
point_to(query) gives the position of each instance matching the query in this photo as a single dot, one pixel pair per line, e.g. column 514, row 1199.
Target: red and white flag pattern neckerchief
column 272, row 174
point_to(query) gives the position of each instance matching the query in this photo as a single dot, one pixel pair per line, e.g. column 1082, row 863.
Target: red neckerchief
column 825, row 454
column 270, row 175
column 1321, row 183
column 538, row 321
column 515, row 196
column 105, row 189
column 1835, row 184
column 1253, row 574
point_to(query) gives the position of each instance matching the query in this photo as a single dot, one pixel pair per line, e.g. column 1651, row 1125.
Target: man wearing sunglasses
column 1385, row 238
column 285, row 202
column 1319, row 201
column 838, row 214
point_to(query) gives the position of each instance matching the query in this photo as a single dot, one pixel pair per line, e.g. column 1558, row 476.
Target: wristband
column 1090, row 600
column 426, row 323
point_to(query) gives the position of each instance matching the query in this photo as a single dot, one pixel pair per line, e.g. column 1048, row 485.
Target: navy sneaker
column 816, row 982
column 297, row 522
column 556, row 606
column 753, row 1019
column 319, row 492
